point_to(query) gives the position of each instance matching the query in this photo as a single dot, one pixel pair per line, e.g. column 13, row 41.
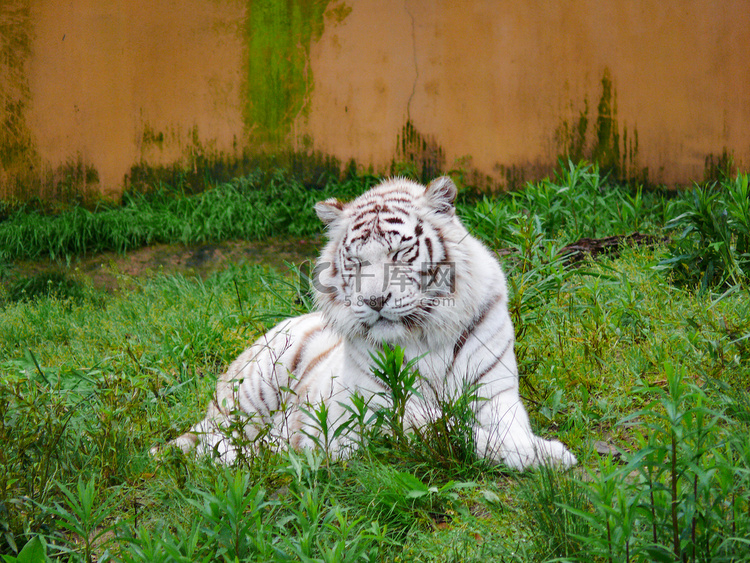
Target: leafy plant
column 552, row 502
column 327, row 434
column 713, row 244
column 397, row 499
column 578, row 202
column 363, row 424
column 233, row 518
column 537, row 274
column 446, row 441
column 391, row 367
column 81, row 518
column 229, row 524
column 318, row 532
column 35, row 551
column 682, row 494
column 37, row 410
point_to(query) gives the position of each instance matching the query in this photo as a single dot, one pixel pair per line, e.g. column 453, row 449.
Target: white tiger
column 399, row 268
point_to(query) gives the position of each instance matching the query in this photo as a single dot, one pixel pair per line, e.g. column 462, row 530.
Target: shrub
column 712, row 246
column 682, row 494
column 578, row 202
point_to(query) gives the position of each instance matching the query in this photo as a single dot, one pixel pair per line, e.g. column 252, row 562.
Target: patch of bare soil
column 112, row 271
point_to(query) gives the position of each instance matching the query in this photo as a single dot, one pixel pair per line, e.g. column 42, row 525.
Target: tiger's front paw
column 539, row 452
column 555, row 454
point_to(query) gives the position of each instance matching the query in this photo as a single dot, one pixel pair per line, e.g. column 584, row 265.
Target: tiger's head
column 388, row 271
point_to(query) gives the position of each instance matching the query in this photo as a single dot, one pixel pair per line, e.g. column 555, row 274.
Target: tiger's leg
column 504, row 434
column 210, row 437
column 227, row 426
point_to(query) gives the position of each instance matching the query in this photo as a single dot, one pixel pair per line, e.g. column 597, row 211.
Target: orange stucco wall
column 500, row 88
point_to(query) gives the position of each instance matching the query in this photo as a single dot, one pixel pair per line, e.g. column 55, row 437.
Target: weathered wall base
column 96, row 95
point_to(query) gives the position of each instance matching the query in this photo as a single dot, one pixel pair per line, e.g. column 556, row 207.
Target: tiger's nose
column 377, row 303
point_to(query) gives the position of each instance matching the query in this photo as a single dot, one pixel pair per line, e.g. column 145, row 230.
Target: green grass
column 621, row 350
column 252, row 208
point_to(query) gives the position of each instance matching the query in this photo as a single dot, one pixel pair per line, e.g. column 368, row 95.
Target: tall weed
column 712, row 246
column 236, row 521
column 81, row 520
column 683, row 493
column 550, row 500
column 229, row 523
column 578, row 202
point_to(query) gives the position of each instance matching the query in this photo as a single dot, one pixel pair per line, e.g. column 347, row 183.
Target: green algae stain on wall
column 615, row 153
column 278, row 78
column 19, row 161
column 571, row 137
column 23, row 174
column 417, row 156
column 606, row 151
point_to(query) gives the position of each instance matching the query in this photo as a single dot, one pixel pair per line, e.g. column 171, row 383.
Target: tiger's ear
column 329, row 210
column 440, row 194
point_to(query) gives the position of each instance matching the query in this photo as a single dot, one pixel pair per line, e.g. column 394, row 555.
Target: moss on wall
column 278, row 79
column 416, row 155
column 606, row 150
column 312, row 169
column 615, row 153
column 19, row 162
column 151, row 138
column 719, row 166
column 23, row 175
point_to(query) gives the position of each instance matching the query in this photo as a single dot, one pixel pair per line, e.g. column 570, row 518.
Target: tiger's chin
column 390, row 331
